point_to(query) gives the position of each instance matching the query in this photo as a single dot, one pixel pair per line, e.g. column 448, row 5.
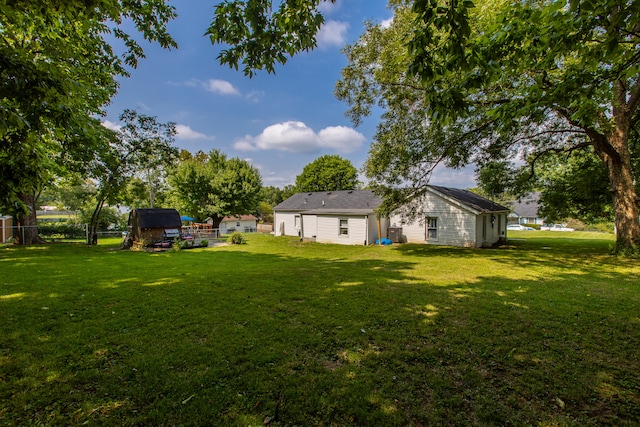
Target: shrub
column 236, row 238
column 61, row 230
column 204, row 243
column 576, row 224
column 602, row 227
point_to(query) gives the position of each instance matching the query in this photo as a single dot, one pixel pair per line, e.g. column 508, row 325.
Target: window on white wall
column 344, row 227
column 296, row 221
column 431, row 228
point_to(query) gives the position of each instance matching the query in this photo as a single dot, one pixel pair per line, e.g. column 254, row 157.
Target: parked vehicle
column 519, row 227
column 556, row 227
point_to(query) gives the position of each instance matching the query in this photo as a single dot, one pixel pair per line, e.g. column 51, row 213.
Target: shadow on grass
column 233, row 337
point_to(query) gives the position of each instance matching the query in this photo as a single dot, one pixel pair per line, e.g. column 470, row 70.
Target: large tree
column 328, row 173
column 460, row 84
column 57, row 71
column 530, row 78
column 141, row 144
column 215, row 186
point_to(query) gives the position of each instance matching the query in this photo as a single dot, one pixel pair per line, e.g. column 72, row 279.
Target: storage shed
column 152, row 228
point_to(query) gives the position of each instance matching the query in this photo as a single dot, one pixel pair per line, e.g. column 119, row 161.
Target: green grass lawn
column 544, row 331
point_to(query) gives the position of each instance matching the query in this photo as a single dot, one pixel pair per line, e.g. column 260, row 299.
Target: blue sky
column 280, row 122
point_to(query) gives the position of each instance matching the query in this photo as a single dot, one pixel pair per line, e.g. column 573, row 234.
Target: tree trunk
column 26, row 231
column 613, row 149
column 625, row 202
column 92, row 237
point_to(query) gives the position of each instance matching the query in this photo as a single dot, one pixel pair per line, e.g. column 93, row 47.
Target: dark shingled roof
column 347, row 200
column 157, row 218
column 470, row 199
column 528, row 207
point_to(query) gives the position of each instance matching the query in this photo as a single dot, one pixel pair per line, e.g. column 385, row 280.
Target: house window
column 238, row 224
column 296, row 221
column 432, row 228
column 344, row 227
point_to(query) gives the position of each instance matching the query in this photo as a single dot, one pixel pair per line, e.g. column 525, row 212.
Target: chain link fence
column 58, row 232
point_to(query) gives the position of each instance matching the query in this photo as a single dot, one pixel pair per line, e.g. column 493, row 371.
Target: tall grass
column 544, row 331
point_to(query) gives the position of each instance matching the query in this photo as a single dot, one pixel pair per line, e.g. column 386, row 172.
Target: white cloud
column 332, row 33
column 185, row 132
column 296, row 137
column 328, row 7
column 110, row 125
column 221, row 87
column 386, row 23
column 255, row 96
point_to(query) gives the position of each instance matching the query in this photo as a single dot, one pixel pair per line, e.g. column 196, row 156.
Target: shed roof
column 157, row 218
column 331, row 201
column 469, row 199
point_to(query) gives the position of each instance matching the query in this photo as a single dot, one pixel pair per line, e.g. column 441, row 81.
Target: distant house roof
column 528, row 206
column 332, row 202
column 469, row 199
column 240, row 218
column 157, row 218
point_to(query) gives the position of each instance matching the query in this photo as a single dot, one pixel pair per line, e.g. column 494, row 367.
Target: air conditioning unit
column 395, row 234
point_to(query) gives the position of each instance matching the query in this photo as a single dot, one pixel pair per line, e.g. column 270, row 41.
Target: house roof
column 528, row 207
column 240, row 218
column 157, row 218
column 331, row 201
column 469, row 199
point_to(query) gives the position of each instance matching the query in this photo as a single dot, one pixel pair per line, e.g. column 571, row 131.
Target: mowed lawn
column 544, row 331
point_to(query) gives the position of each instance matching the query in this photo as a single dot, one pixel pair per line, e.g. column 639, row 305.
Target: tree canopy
column 57, row 71
column 258, row 36
column 215, row 186
column 526, row 80
column 327, row 173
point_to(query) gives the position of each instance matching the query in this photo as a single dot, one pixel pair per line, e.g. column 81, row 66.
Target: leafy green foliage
column 214, row 186
column 259, row 36
column 497, row 82
column 141, row 144
column 62, row 230
column 328, row 173
column 236, row 238
column 57, row 71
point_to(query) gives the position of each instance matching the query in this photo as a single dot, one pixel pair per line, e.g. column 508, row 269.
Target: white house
column 241, row 223
column 342, row 217
column 526, row 210
column 453, row 217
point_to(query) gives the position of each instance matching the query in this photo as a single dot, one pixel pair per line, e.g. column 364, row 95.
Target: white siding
column 329, row 226
column 310, row 226
column 373, row 228
column 288, row 219
column 225, row 226
column 456, row 226
column 488, row 234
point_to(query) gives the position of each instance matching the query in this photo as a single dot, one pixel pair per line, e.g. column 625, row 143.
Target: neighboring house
column 6, row 228
column 342, row 217
column 525, row 211
column 454, row 217
column 242, row 223
column 153, row 227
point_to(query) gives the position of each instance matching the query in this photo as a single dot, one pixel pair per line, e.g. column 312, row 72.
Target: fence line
column 55, row 232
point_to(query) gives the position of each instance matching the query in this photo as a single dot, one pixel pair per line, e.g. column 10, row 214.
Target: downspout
column 301, row 227
column 379, row 231
column 366, row 223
